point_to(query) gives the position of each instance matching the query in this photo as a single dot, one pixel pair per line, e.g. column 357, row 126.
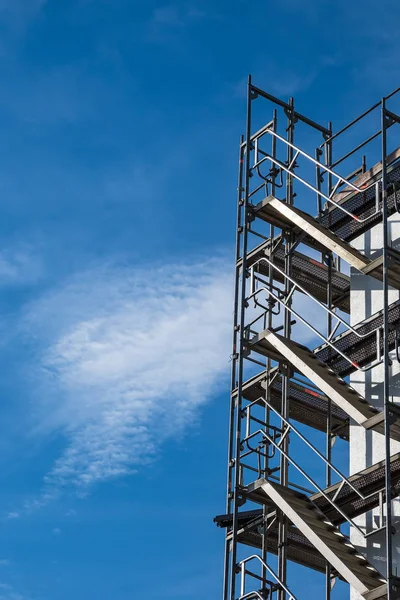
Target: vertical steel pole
column 284, row 464
column 386, row 361
column 328, row 475
column 238, row 415
column 264, row 543
column 229, row 486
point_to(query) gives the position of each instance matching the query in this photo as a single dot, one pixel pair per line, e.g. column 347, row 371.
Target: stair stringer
column 323, row 547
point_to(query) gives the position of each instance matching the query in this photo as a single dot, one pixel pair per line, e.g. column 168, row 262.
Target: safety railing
column 290, row 170
column 277, row 443
column 269, row 588
column 279, row 297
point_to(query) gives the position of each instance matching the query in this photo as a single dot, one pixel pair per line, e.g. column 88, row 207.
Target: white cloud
column 128, row 357
column 13, row 515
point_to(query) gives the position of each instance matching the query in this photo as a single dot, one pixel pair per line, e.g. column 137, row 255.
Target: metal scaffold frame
column 267, row 507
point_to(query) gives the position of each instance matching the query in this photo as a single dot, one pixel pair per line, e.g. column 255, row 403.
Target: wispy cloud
column 13, row 515
column 128, row 357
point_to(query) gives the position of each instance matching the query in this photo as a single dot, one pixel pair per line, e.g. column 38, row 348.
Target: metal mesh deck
column 360, row 350
column 311, row 274
column 367, row 482
column 363, row 205
column 306, row 405
column 300, row 550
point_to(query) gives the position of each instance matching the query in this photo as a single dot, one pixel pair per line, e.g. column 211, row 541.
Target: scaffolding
column 291, row 285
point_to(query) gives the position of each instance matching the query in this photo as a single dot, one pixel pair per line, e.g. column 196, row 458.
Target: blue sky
column 119, row 126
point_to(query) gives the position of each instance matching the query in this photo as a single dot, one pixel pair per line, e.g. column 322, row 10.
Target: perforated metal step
column 311, row 274
column 361, row 351
column 304, row 361
column 306, row 405
column 324, row 536
column 368, row 481
column 279, row 213
column 299, row 549
column 318, row 236
column 362, row 204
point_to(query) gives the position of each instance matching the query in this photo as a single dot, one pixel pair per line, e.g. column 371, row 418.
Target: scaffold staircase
column 370, row 483
column 304, row 361
column 276, row 382
column 306, row 271
column 320, row 237
column 322, row 533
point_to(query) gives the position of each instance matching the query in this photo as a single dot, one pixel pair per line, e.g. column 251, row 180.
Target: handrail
column 290, row 170
column 242, row 566
column 309, row 479
column 319, row 454
column 251, row 595
column 288, row 107
column 343, row 479
column 304, row 291
column 314, row 160
column 318, row 333
column 357, row 119
column 314, row 189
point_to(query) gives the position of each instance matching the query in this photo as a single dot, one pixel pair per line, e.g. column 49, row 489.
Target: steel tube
column 234, row 366
column 287, row 106
column 242, row 293
column 357, row 119
column 386, row 359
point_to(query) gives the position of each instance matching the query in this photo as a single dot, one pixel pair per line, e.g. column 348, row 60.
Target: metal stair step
column 309, row 273
column 369, row 482
column 363, row 204
column 312, row 514
column 283, row 215
column 375, row 269
column 361, row 351
column 300, row 550
column 308, row 513
column 318, row 236
column 363, row 577
column 304, row 361
column 306, row 405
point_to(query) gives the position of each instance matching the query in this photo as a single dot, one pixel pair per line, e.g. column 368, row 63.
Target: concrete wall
column 367, row 448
